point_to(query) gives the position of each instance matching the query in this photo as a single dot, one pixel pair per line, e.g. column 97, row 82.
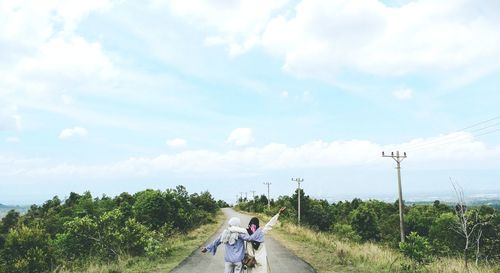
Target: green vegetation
column 363, row 236
column 151, row 230
column 179, row 247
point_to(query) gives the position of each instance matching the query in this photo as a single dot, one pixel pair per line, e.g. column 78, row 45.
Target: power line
column 455, row 138
column 479, row 123
column 487, row 133
column 415, row 145
column 452, row 138
column 484, row 128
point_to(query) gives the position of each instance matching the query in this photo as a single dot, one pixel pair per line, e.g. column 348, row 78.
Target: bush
column 444, row 239
column 364, row 221
column 417, row 248
column 151, row 208
column 78, row 241
column 26, row 250
column 345, row 232
column 107, row 237
column 139, row 240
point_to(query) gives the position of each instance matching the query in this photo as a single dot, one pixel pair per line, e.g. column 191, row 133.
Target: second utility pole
column 268, row 197
column 298, row 180
column 253, row 200
column 399, row 158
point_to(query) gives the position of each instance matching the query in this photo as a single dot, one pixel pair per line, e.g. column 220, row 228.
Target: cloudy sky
column 218, row 95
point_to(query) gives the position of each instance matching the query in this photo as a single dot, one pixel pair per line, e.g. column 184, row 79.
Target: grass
column 329, row 254
column 180, row 246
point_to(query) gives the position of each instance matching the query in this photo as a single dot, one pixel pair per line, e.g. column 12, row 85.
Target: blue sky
column 113, row 96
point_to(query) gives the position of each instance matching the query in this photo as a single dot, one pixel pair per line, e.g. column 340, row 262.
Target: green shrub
column 26, row 250
column 345, row 232
column 417, row 248
column 364, row 221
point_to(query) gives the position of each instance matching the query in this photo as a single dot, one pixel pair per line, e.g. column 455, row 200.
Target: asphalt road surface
column 280, row 259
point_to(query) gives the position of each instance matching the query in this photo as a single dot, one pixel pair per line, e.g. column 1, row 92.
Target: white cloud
column 73, row 132
column 403, row 94
column 322, row 38
column 237, row 24
column 70, row 56
column 33, row 21
column 41, row 53
column 10, row 119
column 13, row 140
column 177, row 142
column 453, row 151
column 306, row 96
column 240, row 136
column 67, row 99
column 284, row 94
column 327, row 36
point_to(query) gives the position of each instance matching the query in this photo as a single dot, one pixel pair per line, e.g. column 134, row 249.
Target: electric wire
column 448, row 138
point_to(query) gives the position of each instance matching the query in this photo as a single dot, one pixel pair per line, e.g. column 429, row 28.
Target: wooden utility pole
column 399, row 158
column 253, row 200
column 268, row 196
column 298, row 180
column 253, row 194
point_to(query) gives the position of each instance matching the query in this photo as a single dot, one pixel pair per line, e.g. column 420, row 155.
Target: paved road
column 280, row 259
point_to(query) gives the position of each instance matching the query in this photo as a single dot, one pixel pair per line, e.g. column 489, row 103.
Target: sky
column 113, row 96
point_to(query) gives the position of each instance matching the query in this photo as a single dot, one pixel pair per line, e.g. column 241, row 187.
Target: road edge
column 184, row 261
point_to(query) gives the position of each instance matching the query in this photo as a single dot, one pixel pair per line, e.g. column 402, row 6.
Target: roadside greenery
column 433, row 230
column 68, row 235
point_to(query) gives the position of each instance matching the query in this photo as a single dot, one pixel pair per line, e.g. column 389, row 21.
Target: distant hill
column 5, row 208
column 2, row 206
column 495, row 203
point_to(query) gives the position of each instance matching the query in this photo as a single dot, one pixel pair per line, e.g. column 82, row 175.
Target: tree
column 9, row 221
column 419, row 219
column 222, row 204
column 72, row 199
column 469, row 224
column 78, row 241
column 490, row 231
column 151, row 209
column 26, row 250
column 445, row 240
column 317, row 214
column 107, row 237
column 124, row 202
column 204, row 201
column 364, row 222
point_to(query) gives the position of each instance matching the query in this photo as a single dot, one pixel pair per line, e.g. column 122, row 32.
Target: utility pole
column 298, row 180
column 268, row 197
column 237, row 199
column 253, row 200
column 399, row 158
column 241, row 193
